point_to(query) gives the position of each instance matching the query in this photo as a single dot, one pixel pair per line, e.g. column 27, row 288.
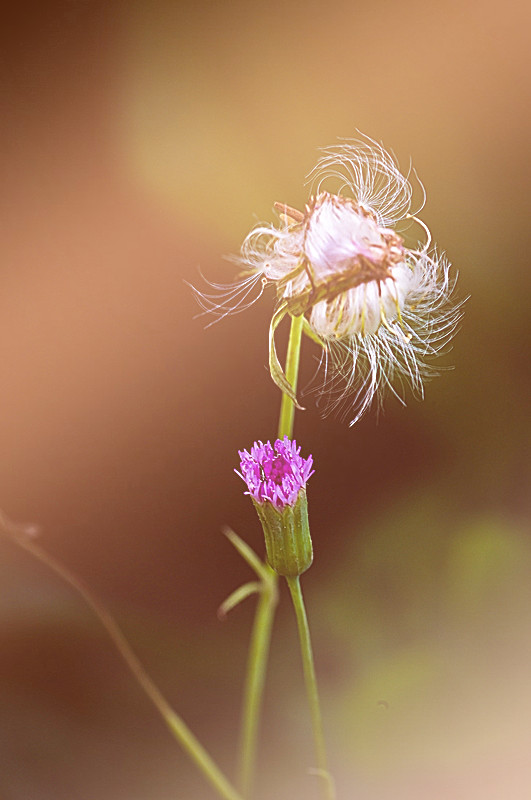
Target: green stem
column 311, row 686
column 287, row 409
column 263, row 623
column 178, row 728
column 255, row 679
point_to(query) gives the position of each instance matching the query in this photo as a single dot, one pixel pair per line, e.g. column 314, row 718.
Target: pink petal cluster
column 275, row 473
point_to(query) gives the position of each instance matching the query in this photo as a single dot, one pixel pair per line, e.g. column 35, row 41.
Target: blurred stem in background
column 20, row 535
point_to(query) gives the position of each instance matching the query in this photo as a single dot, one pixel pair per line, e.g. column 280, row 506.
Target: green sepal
column 287, row 536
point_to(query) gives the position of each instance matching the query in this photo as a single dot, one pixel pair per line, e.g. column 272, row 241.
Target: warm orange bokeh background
column 141, row 141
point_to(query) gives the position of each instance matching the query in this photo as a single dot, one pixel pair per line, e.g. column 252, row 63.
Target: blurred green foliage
column 431, row 616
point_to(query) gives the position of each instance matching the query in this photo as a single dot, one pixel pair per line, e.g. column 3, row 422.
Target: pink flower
column 275, row 473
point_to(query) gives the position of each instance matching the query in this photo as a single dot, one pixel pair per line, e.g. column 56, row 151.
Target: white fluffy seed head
column 378, row 307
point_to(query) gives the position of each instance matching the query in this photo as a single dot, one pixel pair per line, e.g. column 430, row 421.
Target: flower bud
column 276, row 477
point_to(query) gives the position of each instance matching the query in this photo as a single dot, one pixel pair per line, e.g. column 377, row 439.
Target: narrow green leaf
column 308, row 330
column 277, row 373
column 248, row 554
column 237, row 596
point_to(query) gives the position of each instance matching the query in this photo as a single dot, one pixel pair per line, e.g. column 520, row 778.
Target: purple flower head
column 275, row 473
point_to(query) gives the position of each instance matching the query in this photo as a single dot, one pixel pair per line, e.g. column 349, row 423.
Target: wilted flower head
column 276, row 477
column 378, row 308
column 275, row 473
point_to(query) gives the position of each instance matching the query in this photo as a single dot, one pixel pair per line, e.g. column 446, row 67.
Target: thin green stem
column 177, row 726
column 311, row 687
column 263, row 623
column 255, row 679
column 287, row 409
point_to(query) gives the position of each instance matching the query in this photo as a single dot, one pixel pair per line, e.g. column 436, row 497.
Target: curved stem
column 177, row 726
column 263, row 623
column 311, row 686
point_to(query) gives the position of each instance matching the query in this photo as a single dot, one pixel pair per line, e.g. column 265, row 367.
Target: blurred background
column 140, row 142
